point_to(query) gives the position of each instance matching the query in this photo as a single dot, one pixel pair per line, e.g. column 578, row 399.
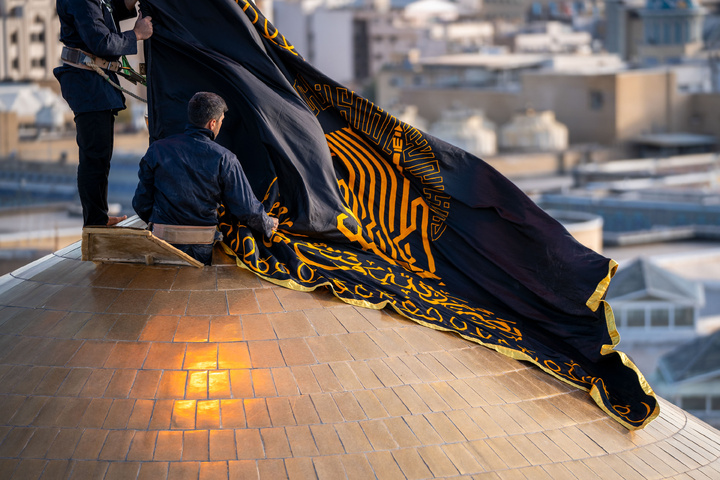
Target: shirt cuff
column 262, row 224
column 132, row 42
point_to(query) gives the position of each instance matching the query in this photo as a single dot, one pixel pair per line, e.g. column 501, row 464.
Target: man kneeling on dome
column 185, row 177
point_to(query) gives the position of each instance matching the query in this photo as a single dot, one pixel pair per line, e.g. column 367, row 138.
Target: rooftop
column 675, row 139
column 132, row 371
column 699, row 358
column 552, row 63
column 642, row 279
column 490, row 61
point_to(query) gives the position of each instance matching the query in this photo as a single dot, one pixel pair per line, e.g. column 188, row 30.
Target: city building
column 409, row 115
column 637, row 215
column 689, row 376
column 467, row 129
column 623, row 28
column 663, row 145
column 389, row 40
column 672, row 31
column 515, row 11
column 348, row 44
column 29, row 45
column 655, row 32
column 420, row 13
column 36, row 108
column 550, row 37
column 600, row 100
column 454, row 79
column 534, row 131
column 463, row 36
column 654, row 305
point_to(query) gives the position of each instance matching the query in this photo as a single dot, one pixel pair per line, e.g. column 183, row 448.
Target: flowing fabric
column 384, row 214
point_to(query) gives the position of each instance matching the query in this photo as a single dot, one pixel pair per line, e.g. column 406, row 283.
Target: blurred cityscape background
column 605, row 112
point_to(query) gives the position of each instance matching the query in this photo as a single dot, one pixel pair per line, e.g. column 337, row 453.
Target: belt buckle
column 85, row 59
column 71, row 55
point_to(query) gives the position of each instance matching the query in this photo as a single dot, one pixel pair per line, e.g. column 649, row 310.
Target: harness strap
column 184, row 234
column 80, row 59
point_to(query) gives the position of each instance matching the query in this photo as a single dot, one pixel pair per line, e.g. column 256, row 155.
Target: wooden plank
column 131, row 245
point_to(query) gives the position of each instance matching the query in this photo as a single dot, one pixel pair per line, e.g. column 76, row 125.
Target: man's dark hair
column 205, row 106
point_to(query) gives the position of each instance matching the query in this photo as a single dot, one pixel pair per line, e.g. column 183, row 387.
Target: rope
column 100, row 71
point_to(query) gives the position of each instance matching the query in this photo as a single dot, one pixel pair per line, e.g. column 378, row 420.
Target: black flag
column 384, row 214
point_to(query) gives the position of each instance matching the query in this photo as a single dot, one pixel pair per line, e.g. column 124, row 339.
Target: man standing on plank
column 90, row 31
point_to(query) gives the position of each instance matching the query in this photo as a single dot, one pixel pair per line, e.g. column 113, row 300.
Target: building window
column 666, row 317
column 448, row 79
column 659, row 317
column 695, row 402
column 715, row 404
column 15, row 64
column 697, row 120
column 14, row 38
column 684, row 317
column 37, row 62
column 597, row 100
column 655, row 35
column 636, row 317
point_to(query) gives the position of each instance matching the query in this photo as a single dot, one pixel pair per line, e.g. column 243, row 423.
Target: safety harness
column 184, row 234
column 86, row 61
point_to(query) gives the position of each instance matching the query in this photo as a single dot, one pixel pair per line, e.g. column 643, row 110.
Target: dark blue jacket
column 185, row 177
column 90, row 26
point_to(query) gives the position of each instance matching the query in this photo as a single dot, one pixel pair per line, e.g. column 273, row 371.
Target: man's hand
column 112, row 221
column 275, row 223
column 143, row 27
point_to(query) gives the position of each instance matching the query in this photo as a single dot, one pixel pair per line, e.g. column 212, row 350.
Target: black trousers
column 95, row 137
column 201, row 253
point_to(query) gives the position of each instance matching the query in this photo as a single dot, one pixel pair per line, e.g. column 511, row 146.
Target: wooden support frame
column 131, row 245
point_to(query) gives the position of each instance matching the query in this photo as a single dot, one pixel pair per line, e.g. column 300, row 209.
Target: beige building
column 467, row 129
column 29, row 46
column 8, row 133
column 607, row 108
column 551, row 37
column 534, row 131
